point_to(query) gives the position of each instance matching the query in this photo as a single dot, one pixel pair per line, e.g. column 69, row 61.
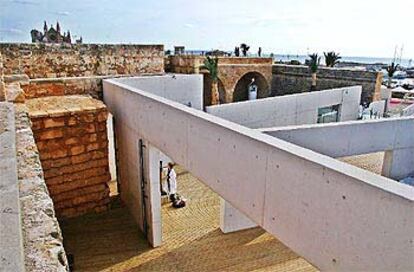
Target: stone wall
column 64, row 60
column 2, row 86
column 288, row 79
column 232, row 70
column 42, row 237
column 11, row 236
column 64, row 86
column 71, row 136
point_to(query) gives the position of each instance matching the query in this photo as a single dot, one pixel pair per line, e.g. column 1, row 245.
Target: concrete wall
column 74, row 60
column 354, row 138
column 290, row 109
column 232, row 220
column 323, row 209
column 377, row 108
column 288, row 79
column 185, row 89
column 349, row 138
column 408, row 111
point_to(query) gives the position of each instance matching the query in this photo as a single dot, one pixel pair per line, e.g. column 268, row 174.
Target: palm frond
column 211, row 64
column 391, row 69
column 331, row 58
column 313, row 62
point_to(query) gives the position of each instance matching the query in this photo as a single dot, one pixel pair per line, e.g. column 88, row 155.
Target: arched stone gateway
column 241, row 89
column 207, row 91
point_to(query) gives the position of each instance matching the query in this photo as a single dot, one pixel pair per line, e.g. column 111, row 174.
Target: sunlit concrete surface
column 303, row 198
column 192, row 240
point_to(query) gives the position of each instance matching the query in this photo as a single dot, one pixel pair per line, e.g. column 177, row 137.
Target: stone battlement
column 69, row 60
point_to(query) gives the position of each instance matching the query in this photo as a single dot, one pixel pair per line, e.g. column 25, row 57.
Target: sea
column 407, row 63
column 363, row 60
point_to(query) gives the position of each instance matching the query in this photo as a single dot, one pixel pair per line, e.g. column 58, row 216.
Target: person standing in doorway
column 171, row 181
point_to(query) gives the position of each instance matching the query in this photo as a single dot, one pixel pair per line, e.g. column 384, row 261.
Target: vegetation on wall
column 244, row 47
column 331, row 58
column 391, row 69
column 211, row 64
column 313, row 63
column 237, row 51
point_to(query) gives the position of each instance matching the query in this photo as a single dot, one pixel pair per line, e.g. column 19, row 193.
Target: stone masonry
column 71, row 136
column 289, row 79
column 76, row 60
column 2, row 85
column 231, row 72
column 42, row 237
column 64, row 86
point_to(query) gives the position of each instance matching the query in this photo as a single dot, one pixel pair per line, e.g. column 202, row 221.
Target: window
column 328, row 114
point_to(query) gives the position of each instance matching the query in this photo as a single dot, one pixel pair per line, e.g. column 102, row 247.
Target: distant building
column 52, row 35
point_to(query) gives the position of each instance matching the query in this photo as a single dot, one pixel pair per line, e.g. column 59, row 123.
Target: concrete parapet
column 11, row 237
column 293, row 109
column 392, row 135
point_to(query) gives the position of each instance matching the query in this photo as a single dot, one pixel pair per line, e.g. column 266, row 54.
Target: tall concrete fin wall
column 184, row 89
column 286, row 110
column 323, row 209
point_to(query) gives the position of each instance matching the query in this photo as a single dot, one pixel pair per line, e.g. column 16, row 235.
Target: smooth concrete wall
column 395, row 136
column 293, row 109
column 408, row 111
column 377, row 108
column 335, row 215
column 180, row 88
column 185, row 89
column 350, row 138
column 232, row 220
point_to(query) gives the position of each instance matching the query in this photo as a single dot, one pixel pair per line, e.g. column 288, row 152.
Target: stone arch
column 240, row 90
column 207, row 90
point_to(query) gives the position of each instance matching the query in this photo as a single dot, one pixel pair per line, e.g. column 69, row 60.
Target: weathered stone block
column 50, row 134
column 54, row 122
column 74, row 153
column 14, row 93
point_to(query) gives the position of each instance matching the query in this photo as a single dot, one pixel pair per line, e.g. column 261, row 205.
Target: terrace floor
column 192, row 240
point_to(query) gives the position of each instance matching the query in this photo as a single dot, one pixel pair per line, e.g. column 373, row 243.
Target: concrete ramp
column 336, row 216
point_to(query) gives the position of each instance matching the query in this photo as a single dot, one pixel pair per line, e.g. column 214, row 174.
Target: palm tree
column 313, row 63
column 237, row 51
column 331, row 58
column 244, row 47
column 211, row 64
column 391, row 69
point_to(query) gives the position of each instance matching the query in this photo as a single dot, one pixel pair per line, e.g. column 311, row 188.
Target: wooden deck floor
column 192, row 240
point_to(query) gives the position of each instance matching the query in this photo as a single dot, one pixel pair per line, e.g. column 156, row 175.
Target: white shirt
column 173, row 182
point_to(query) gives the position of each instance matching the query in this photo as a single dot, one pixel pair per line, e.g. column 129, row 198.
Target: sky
column 371, row 28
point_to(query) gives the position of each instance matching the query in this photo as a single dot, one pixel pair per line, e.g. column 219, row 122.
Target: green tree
column 244, row 48
column 331, row 58
column 237, row 51
column 211, row 64
column 313, row 63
